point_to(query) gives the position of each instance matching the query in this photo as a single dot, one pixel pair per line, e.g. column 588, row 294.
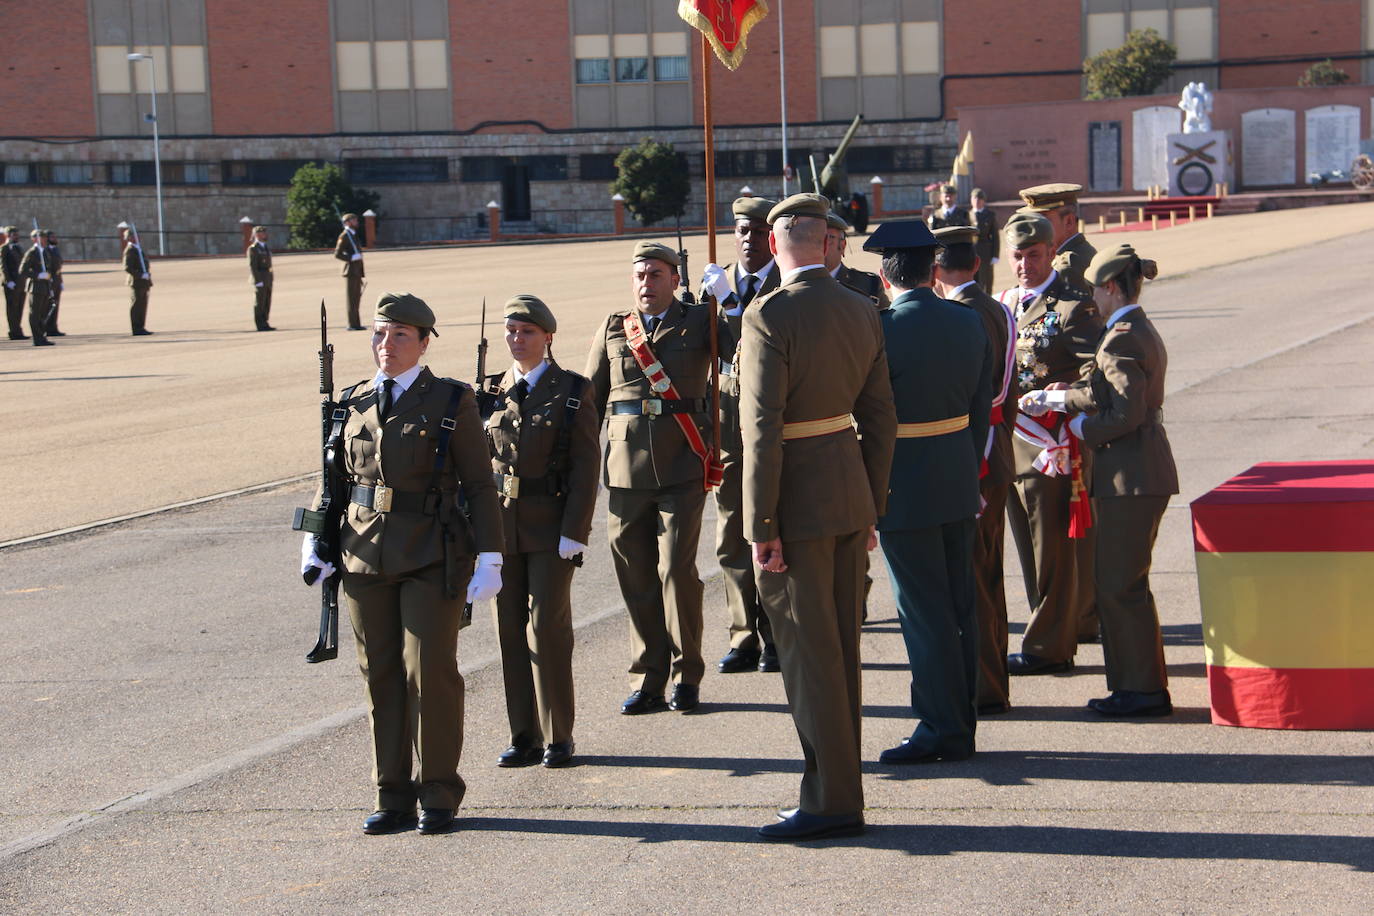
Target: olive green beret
column 645, row 251
column 257, row 229
column 1108, row 263
column 525, row 307
column 835, row 221
column 956, row 235
column 801, row 205
column 403, row 308
column 752, row 207
column 948, row 189
column 1026, row 228
column 1045, row 197
column 978, row 192
column 11, row 230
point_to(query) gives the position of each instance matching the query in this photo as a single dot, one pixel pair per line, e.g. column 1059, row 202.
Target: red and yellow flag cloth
column 725, row 23
column 1285, row 564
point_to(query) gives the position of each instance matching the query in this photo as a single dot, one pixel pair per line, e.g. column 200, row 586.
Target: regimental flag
column 725, row 23
column 1285, row 565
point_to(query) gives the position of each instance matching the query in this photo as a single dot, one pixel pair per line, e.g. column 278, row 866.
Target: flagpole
column 782, row 94
column 711, row 234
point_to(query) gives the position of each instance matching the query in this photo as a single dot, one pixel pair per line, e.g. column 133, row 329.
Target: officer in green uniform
column 412, row 443
column 37, row 270
column 949, row 213
column 55, row 259
column 140, row 280
column 260, row 267
column 989, row 243
column 11, row 256
column 349, row 250
column 545, row 454
column 658, row 449
column 861, row 281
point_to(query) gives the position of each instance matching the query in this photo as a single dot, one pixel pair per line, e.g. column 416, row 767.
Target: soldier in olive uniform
column 545, row 452
column 260, row 267
column 58, row 285
column 812, row 370
column 949, row 213
column 11, row 256
column 862, row 282
column 1057, row 327
column 956, row 265
column 36, row 268
column 349, row 250
column 989, row 243
column 140, row 280
column 753, row 275
column 410, row 443
column 656, row 469
column 1117, row 411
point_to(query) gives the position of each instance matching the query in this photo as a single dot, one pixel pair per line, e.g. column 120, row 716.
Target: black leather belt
column 654, row 407
column 513, row 487
column 385, row 499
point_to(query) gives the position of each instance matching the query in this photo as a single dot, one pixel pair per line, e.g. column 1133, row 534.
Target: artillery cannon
column 833, row 180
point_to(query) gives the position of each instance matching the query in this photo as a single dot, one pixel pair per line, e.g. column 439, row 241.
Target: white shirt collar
column 1067, row 241
column 403, row 381
column 532, row 376
column 960, row 286
column 1121, row 313
column 761, row 273
column 836, row 272
column 1040, row 290
column 792, row 274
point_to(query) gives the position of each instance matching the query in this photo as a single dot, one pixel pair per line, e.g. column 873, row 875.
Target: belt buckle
column 651, row 407
column 381, row 498
column 510, row 486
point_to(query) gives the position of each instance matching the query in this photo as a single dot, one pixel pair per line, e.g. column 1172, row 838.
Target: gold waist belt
column 933, row 428
column 808, row 429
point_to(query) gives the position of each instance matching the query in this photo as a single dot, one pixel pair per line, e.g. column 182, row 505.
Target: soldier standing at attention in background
column 989, row 243
column 862, row 282
column 140, row 280
column 546, row 454
column 11, row 256
column 411, row 442
column 37, row 273
column 956, row 263
column 650, row 367
column 949, row 213
column 55, row 260
column 348, row 250
column 260, row 266
column 812, row 368
column 753, row 274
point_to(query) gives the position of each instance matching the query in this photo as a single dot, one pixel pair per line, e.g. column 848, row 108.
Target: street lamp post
column 157, row 153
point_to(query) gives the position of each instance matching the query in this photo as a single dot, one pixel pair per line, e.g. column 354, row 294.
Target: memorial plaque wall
column 1269, row 153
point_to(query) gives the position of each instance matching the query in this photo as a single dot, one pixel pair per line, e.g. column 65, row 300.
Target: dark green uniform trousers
column 534, row 627
column 1131, row 642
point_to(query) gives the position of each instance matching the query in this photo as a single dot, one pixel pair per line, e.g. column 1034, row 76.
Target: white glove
column 9, row 284
column 568, row 548
column 486, row 578
column 1033, row 404
column 43, row 275
column 146, row 277
column 996, row 261
column 357, row 256
column 715, row 282
column 1076, row 426
column 259, row 285
column 310, row 559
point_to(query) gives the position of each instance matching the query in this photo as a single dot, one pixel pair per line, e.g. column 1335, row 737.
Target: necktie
column 1025, row 304
column 522, row 388
column 749, row 287
column 649, row 324
column 384, row 402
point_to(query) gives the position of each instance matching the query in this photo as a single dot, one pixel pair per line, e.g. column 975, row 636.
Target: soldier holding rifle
column 37, row 271
column 11, row 256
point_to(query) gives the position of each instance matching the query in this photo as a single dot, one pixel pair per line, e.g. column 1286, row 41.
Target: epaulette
column 454, row 381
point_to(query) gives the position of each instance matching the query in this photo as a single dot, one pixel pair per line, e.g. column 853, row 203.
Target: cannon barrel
column 830, row 175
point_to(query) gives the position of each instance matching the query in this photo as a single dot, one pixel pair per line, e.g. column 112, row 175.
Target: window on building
column 670, row 56
column 880, row 59
column 632, row 69
column 261, row 171
column 593, row 70
column 748, row 163
column 1189, row 24
column 632, row 64
column 47, row 173
column 145, row 173
column 396, row 170
column 593, row 55
column 392, row 66
column 546, row 168
column 483, row 168
column 597, row 167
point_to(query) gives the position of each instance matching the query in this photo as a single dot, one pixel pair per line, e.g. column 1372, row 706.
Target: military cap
column 403, row 308
column 956, row 235
column 349, row 216
column 35, row 233
column 752, row 207
column 948, row 189
column 257, row 229
column 1045, row 197
column 835, row 221
column 901, row 234
column 815, row 205
column 645, row 251
column 1026, row 228
column 978, row 192
column 525, row 307
column 1106, row 264
column 11, row 230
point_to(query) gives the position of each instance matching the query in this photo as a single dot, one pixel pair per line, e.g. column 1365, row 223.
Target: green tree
column 1324, row 74
column 316, row 189
column 652, row 178
column 1135, row 68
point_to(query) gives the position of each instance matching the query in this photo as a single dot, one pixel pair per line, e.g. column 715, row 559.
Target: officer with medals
column 414, row 453
column 754, row 274
column 545, row 454
column 1057, row 327
column 861, row 281
column 650, row 368
column 1117, row 411
column 956, row 265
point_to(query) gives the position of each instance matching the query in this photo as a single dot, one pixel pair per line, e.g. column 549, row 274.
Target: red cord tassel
column 1080, row 512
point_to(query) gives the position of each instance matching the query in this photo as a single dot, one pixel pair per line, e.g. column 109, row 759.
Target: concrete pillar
column 246, row 227
column 875, row 197
column 493, row 220
column 618, row 202
column 369, row 228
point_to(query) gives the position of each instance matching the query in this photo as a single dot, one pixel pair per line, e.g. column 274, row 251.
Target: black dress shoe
column 43, row 342
column 559, row 754
column 993, row 709
column 686, row 697
column 19, row 337
column 57, row 333
column 267, row 327
column 911, row 752
column 768, row 660
column 738, row 660
column 385, row 821
column 143, row 332
column 802, row 826
column 1025, row 663
column 517, row 756
column 640, row 702
column 1125, row 704
column 435, row 820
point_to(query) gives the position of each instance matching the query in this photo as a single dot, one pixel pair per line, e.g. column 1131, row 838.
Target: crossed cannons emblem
column 1192, row 153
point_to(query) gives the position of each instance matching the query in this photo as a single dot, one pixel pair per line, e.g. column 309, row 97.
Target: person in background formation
column 140, row 280
column 752, row 275
column 11, row 256
column 949, row 213
column 956, row 264
column 813, row 369
column 349, row 250
column 862, row 282
column 36, row 270
column 858, row 211
column 650, row 367
column 260, row 267
column 545, row 454
column 1117, row 411
column 989, row 242
column 1057, row 327
column 940, row 361
column 411, row 443
column 55, row 260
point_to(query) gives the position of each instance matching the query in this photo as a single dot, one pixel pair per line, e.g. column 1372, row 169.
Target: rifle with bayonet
column 324, row 523
column 683, row 274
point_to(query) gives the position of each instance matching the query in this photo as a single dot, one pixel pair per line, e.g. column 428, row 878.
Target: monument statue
column 1196, row 103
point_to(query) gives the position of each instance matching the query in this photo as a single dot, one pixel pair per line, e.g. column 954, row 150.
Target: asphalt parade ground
column 164, row 748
